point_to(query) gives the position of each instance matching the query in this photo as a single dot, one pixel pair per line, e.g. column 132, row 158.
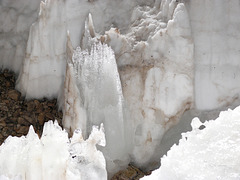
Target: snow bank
column 209, row 151
column 53, row 156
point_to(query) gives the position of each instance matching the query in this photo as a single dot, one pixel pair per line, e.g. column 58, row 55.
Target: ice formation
column 171, row 55
column 209, row 151
column 93, row 96
column 54, row 156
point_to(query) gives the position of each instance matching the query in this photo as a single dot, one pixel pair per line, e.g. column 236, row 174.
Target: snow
column 209, row 151
column 53, row 156
column 171, row 56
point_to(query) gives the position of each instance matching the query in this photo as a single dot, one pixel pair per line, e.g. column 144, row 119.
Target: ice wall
column 16, row 17
column 171, row 56
column 53, row 156
column 209, row 151
column 46, row 50
column 215, row 26
column 155, row 60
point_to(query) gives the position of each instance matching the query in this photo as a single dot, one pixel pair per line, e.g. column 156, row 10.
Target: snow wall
column 171, row 56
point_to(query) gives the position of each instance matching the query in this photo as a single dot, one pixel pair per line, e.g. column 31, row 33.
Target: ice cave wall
column 171, row 55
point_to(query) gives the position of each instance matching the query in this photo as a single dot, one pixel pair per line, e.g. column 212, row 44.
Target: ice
column 215, row 35
column 94, row 94
column 45, row 53
column 171, row 55
column 156, row 73
column 210, row 152
column 53, row 156
column 16, row 17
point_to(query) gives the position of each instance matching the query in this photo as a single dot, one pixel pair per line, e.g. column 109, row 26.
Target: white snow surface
column 209, row 153
column 54, row 156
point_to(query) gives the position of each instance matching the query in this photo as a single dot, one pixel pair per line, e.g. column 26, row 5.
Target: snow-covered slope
column 209, row 151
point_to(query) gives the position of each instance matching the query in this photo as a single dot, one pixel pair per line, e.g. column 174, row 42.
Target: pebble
column 14, row 94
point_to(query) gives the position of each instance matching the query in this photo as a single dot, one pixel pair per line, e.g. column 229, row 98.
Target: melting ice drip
column 54, row 156
column 93, row 95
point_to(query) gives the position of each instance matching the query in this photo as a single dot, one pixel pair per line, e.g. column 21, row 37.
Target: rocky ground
column 17, row 114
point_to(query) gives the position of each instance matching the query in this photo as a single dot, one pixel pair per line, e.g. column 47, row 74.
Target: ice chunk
column 53, row 156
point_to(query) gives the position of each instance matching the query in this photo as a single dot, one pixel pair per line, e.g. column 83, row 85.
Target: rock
column 37, row 103
column 41, row 119
column 29, row 119
column 130, row 173
column 3, row 107
column 7, row 74
column 51, row 104
column 8, row 84
column 23, row 121
column 6, row 101
column 14, row 95
column 2, row 124
column 23, row 130
column 39, row 108
column 49, row 116
column 30, row 106
column 16, row 113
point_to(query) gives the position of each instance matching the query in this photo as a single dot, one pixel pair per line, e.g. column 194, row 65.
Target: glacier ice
column 209, row 151
column 93, row 95
column 53, row 156
column 16, row 17
column 171, row 55
column 156, row 73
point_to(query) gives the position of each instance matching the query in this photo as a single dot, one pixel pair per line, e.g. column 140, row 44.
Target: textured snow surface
column 210, row 151
column 53, row 156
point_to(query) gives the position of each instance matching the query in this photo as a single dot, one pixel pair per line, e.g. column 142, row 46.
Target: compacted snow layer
column 53, row 156
column 209, row 151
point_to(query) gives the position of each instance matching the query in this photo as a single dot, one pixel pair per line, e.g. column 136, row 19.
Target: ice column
column 100, row 99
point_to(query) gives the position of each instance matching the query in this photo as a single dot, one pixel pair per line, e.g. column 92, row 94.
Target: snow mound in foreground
column 53, row 156
column 210, row 151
